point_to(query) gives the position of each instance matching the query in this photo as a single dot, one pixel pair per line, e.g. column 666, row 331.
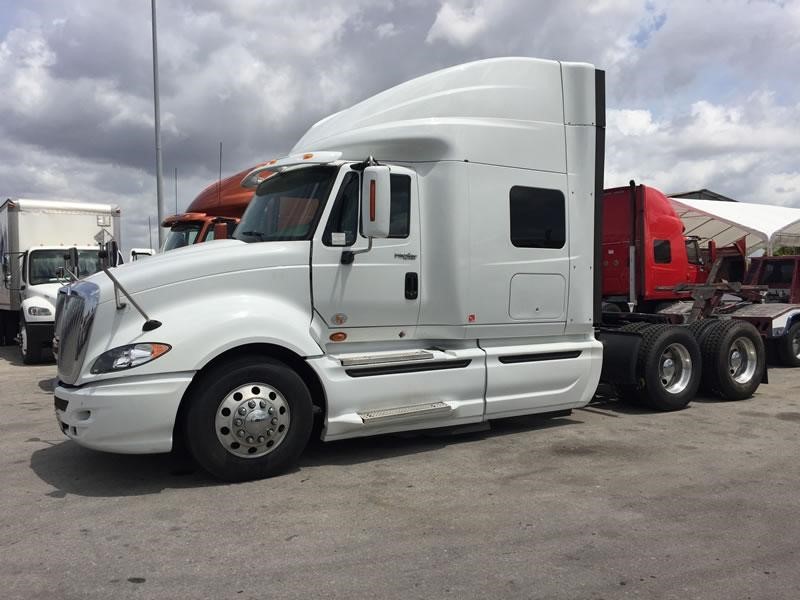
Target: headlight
column 39, row 311
column 127, row 357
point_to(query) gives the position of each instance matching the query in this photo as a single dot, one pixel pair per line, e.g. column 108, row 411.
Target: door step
column 352, row 360
column 405, row 413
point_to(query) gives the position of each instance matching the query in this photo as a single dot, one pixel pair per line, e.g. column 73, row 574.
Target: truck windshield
column 287, row 206
column 182, row 234
column 44, row 265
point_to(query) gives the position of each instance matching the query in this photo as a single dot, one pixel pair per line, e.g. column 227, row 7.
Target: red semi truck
column 221, row 202
column 645, row 251
column 650, row 266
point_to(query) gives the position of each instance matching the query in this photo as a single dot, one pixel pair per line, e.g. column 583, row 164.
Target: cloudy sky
column 700, row 94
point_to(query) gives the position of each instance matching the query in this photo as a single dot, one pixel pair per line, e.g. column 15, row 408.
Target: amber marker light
column 372, row 200
column 307, row 156
column 339, row 336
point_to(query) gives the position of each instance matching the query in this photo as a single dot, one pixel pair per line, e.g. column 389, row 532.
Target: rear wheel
column 668, row 367
column 699, row 330
column 249, row 418
column 734, row 359
column 789, row 346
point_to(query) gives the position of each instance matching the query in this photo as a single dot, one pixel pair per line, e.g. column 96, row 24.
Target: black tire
column 636, row 327
column 699, row 328
column 215, row 389
column 789, row 346
column 723, row 374
column 610, row 307
column 31, row 355
column 661, row 387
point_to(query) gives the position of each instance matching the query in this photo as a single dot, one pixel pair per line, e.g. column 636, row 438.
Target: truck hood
column 43, row 291
column 202, row 260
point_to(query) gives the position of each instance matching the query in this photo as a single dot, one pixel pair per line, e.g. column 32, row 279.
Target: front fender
column 38, row 302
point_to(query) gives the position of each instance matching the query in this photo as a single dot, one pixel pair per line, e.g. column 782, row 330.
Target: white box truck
column 35, row 241
column 424, row 259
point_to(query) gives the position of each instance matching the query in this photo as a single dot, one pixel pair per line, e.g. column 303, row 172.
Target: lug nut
column 252, row 404
column 238, row 422
column 271, row 410
column 261, row 439
column 269, row 432
column 250, row 439
column 240, row 433
column 262, row 404
column 242, row 410
column 274, row 420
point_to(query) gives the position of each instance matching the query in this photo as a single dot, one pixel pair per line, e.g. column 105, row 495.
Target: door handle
column 412, row 286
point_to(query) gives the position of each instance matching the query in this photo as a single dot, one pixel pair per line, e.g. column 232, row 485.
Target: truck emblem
column 405, row 256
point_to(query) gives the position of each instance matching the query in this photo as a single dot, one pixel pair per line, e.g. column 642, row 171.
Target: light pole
column 157, row 108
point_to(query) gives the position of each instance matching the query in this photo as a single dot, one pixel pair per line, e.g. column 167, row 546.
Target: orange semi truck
column 221, row 202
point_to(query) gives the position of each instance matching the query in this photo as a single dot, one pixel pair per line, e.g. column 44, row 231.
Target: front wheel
column 789, row 346
column 249, row 418
column 30, row 354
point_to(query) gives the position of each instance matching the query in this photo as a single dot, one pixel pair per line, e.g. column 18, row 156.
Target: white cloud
column 386, row 30
column 459, row 25
column 690, row 105
column 746, row 150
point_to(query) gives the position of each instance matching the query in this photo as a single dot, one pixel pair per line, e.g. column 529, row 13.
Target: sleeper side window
column 662, row 253
column 538, row 217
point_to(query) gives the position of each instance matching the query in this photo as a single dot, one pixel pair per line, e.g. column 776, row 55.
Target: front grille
column 75, row 309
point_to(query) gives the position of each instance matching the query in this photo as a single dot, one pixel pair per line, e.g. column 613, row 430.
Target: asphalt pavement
column 610, row 502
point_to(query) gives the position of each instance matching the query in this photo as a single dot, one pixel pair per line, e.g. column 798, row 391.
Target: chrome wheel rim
column 675, row 368
column 796, row 344
column 23, row 340
column 252, row 420
column 742, row 360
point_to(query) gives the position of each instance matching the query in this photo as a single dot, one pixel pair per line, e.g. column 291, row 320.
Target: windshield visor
column 287, row 206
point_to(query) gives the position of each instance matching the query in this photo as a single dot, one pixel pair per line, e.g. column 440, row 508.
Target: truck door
column 379, row 288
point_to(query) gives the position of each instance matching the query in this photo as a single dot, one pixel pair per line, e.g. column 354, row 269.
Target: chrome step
column 405, row 413
column 353, row 360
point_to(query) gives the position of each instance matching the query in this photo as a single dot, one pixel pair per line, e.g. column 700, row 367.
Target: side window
column 210, row 233
column 401, row 206
column 662, row 253
column 693, row 252
column 538, row 217
column 343, row 221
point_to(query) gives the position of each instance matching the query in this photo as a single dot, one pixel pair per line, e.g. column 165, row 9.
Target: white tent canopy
column 764, row 226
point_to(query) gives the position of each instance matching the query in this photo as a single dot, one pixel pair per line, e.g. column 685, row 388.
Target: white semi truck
column 424, row 259
column 37, row 238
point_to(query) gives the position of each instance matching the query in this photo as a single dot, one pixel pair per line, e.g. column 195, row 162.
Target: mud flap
column 620, row 354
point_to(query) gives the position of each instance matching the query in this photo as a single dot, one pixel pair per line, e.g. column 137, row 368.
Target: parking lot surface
column 610, row 502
